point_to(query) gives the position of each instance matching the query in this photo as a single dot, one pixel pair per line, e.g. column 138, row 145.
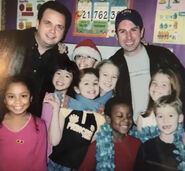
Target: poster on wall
column 27, row 13
column 170, row 22
column 96, row 18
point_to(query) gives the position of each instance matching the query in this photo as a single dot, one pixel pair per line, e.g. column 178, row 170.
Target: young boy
column 157, row 153
column 113, row 149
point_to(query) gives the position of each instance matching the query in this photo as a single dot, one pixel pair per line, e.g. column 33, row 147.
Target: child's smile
column 167, row 119
column 160, row 86
column 62, row 80
column 108, row 77
column 89, row 86
column 120, row 121
column 17, row 98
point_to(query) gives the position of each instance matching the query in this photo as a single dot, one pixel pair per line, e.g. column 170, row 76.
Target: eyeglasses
column 80, row 57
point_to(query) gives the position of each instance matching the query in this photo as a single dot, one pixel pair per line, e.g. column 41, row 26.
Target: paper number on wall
column 86, row 15
column 114, row 12
column 101, row 11
column 85, row 10
column 100, row 15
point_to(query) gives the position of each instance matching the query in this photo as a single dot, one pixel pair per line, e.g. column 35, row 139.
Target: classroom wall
column 146, row 8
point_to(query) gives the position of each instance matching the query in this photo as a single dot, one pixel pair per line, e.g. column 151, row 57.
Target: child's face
column 108, row 77
column 62, row 80
column 83, row 61
column 88, row 86
column 121, row 120
column 160, row 86
column 17, row 98
column 167, row 119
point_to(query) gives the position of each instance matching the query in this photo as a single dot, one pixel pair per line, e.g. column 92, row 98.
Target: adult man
column 33, row 52
column 138, row 61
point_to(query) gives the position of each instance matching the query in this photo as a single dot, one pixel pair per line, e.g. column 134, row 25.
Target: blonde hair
column 106, row 61
column 170, row 100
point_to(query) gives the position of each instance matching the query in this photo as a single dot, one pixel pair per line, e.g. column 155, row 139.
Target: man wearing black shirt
column 34, row 52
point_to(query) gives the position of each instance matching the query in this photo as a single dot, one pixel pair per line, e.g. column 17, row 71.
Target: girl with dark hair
column 22, row 136
column 74, row 122
column 60, row 81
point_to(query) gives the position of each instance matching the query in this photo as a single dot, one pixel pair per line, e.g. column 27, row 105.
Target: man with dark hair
column 137, row 61
column 33, row 52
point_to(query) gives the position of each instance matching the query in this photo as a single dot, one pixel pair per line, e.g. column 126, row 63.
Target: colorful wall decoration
column 27, row 12
column 96, row 18
column 170, row 22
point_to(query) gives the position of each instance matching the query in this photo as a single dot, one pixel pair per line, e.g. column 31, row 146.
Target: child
column 61, row 81
column 86, row 54
column 22, row 136
column 108, row 76
column 113, row 148
column 87, row 89
column 71, row 131
column 163, row 82
column 158, row 153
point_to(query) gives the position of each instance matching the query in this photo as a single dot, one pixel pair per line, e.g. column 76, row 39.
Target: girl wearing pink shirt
column 22, row 136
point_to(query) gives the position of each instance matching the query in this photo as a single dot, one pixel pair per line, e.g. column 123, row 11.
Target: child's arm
column 41, row 147
column 139, row 122
column 47, row 112
column 54, row 132
column 100, row 120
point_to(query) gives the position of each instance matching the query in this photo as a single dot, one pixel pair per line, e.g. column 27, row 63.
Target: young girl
column 86, row 54
column 71, row 131
column 108, row 76
column 61, row 81
column 113, row 148
column 87, row 89
column 163, row 82
column 165, row 152
column 22, row 136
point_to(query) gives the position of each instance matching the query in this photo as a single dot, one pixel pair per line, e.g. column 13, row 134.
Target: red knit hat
column 88, row 48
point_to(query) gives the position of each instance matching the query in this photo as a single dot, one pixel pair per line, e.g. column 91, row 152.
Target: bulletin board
column 27, row 13
column 96, row 18
column 170, row 22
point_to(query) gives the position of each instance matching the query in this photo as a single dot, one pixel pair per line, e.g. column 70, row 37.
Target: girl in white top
column 163, row 82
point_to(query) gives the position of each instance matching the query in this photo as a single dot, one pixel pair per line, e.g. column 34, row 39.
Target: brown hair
column 175, row 87
column 86, row 71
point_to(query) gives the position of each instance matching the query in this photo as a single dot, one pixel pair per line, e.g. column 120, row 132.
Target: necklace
column 146, row 133
column 180, row 148
column 104, row 149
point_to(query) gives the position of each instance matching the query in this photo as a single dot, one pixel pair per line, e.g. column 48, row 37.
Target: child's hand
column 62, row 48
column 52, row 99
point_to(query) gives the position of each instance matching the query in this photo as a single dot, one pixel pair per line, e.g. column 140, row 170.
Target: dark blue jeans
column 52, row 166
